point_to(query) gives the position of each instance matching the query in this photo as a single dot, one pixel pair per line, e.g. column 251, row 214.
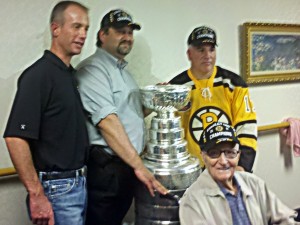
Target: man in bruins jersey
column 217, row 95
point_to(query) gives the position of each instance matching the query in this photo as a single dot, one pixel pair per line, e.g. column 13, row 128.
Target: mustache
column 124, row 42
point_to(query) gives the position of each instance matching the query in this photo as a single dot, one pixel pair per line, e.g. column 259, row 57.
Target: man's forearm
column 115, row 136
column 40, row 208
column 21, row 157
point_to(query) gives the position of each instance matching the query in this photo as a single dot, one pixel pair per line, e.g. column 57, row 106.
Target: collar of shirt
column 226, row 191
column 120, row 64
column 57, row 61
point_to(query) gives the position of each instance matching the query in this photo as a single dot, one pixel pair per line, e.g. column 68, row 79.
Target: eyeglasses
column 229, row 153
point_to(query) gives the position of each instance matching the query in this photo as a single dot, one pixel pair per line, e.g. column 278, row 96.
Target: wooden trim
column 7, row 171
column 273, row 126
column 11, row 171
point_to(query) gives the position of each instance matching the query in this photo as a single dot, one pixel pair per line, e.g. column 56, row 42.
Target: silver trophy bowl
column 168, row 98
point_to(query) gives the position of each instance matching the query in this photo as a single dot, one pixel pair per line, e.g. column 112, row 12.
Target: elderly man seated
column 223, row 196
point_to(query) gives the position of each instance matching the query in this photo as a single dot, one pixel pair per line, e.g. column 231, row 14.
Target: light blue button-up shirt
column 106, row 87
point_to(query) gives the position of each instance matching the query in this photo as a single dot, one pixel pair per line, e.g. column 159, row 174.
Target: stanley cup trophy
column 166, row 156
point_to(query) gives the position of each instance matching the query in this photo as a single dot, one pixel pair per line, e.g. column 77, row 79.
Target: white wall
column 158, row 55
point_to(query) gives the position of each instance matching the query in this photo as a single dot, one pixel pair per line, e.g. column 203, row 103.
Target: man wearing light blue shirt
column 115, row 123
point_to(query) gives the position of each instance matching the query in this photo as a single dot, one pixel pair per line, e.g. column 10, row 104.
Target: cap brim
column 134, row 26
column 205, row 147
column 203, row 41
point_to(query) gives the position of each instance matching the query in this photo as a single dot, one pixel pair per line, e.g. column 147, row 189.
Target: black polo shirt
column 48, row 113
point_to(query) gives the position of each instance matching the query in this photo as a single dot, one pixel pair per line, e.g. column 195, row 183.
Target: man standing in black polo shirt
column 46, row 134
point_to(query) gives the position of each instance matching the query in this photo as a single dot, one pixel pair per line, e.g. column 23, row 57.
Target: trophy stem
column 165, row 114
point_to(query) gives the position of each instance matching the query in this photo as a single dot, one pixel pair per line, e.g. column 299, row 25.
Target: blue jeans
column 68, row 198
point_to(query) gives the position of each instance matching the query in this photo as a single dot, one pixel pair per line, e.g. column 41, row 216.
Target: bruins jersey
column 224, row 97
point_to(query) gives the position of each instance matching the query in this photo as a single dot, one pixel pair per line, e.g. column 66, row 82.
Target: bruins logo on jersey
column 204, row 117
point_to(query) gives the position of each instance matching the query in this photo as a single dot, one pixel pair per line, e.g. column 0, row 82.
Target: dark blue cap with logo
column 202, row 35
column 118, row 18
column 216, row 133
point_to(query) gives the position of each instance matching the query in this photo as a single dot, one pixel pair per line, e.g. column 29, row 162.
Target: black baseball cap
column 118, row 18
column 202, row 35
column 216, row 133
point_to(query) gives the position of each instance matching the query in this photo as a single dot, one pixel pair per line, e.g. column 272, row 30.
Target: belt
column 55, row 175
column 100, row 156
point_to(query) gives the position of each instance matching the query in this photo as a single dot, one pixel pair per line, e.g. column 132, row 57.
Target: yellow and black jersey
column 224, row 97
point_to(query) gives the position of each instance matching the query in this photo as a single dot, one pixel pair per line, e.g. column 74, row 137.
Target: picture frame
column 271, row 53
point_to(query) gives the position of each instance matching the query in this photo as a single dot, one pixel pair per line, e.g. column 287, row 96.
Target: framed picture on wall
column 271, row 52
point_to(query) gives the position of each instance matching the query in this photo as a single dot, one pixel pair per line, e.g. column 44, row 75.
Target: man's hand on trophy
column 145, row 176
